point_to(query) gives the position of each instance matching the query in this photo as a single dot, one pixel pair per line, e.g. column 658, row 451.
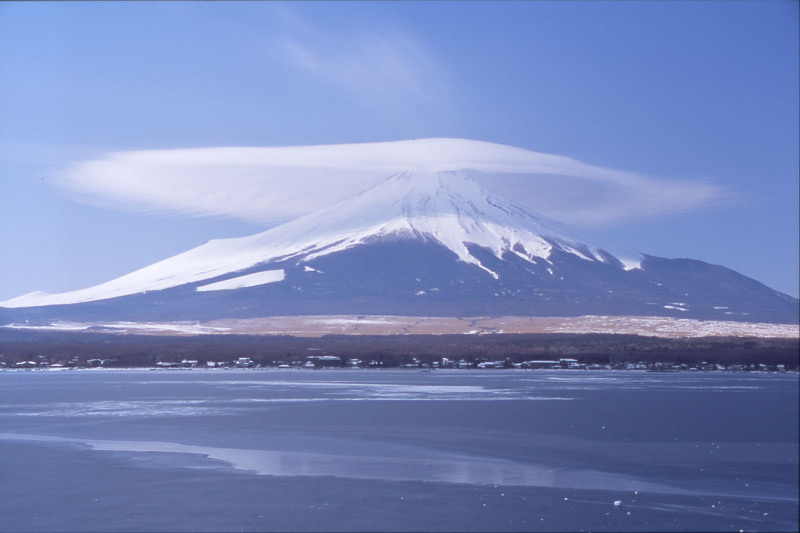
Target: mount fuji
column 421, row 243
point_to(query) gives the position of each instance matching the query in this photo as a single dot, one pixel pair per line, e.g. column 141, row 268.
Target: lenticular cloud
column 271, row 184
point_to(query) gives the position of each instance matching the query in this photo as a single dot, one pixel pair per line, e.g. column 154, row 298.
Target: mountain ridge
column 416, row 244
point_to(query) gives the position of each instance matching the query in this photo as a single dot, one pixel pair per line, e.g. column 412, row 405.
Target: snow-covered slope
column 447, row 208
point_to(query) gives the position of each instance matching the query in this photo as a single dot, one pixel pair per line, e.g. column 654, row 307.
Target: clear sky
column 699, row 93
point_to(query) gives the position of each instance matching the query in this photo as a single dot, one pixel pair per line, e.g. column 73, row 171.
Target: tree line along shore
column 79, row 349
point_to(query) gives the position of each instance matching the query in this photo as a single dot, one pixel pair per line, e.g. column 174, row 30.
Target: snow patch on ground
column 315, row 326
column 178, row 328
column 673, row 327
column 630, row 264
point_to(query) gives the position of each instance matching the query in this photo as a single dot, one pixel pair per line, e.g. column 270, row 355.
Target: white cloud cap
column 266, row 185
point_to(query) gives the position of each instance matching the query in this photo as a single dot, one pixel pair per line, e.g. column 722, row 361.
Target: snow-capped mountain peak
column 454, row 210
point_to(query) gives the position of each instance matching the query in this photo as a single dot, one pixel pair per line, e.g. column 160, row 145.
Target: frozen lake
column 397, row 450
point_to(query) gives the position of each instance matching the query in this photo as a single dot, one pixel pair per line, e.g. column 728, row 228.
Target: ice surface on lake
column 397, row 450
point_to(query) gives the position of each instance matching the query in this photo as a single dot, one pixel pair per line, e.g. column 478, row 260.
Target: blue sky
column 702, row 93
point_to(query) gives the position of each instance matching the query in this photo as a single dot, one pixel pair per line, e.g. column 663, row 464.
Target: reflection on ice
column 609, row 381
column 156, row 408
column 282, row 390
column 400, row 463
column 115, row 408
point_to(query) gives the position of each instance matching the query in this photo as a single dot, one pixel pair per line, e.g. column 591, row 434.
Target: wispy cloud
column 272, row 184
column 386, row 68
